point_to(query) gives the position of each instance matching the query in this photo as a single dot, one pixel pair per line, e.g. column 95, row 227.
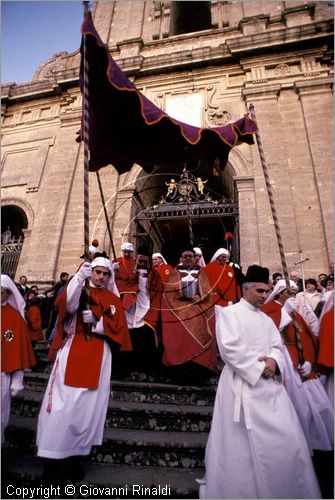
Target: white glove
column 305, row 369
column 85, row 272
column 116, row 266
column 88, row 317
column 291, row 305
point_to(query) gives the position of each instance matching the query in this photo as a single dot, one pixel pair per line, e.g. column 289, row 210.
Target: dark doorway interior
column 14, row 219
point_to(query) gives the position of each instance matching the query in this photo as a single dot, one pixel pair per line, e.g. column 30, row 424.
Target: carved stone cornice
column 244, row 183
column 261, row 92
column 314, row 86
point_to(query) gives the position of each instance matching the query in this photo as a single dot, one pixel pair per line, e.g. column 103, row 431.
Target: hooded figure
column 73, row 411
column 16, row 350
column 301, row 380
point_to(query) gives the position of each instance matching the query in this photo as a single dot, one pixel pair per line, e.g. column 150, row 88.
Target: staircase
column 155, row 437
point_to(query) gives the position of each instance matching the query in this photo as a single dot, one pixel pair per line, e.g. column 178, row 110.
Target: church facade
column 204, row 63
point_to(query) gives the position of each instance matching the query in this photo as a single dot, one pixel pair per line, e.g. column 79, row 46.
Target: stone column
column 271, row 130
column 316, row 101
column 248, row 227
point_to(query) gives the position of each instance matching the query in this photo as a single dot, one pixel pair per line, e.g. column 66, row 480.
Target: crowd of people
column 274, row 404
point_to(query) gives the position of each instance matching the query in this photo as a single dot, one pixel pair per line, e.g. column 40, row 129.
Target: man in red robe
column 188, row 322
column 224, row 279
column 143, row 318
column 74, row 407
column 161, row 266
column 125, row 276
column 16, row 350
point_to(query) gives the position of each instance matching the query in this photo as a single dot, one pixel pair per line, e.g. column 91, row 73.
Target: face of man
column 322, row 276
column 329, row 285
column 197, row 257
column 310, row 287
column 222, row 259
column 127, row 254
column 142, row 262
column 4, row 295
column 294, row 277
column 65, row 278
column 187, row 259
column 256, row 295
column 157, row 261
column 23, row 280
column 100, row 276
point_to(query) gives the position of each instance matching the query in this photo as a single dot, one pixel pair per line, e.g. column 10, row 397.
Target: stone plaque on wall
column 187, row 108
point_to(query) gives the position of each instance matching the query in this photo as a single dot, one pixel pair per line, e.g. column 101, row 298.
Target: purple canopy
column 126, row 128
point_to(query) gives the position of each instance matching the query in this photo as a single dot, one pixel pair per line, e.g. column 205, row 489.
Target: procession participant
column 326, row 343
column 73, row 411
column 125, row 276
column 22, row 286
column 223, row 279
column 34, row 318
column 16, row 350
column 143, row 317
column 161, row 266
column 188, row 322
column 256, row 447
column 311, row 297
column 198, row 257
column 305, row 389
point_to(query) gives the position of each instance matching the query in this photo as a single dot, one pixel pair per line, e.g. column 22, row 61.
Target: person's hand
column 195, row 298
column 88, row 317
column 270, row 366
column 305, row 369
column 85, row 272
column 116, row 266
column 291, row 305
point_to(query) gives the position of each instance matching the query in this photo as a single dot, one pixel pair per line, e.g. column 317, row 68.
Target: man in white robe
column 256, row 447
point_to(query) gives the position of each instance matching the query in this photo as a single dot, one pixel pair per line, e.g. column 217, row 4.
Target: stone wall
column 276, row 55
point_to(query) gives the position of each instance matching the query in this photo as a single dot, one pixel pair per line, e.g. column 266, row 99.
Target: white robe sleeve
column 242, row 359
column 73, row 292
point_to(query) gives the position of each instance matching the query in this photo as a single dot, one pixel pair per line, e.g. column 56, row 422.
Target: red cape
column 17, row 354
column 85, row 356
column 188, row 328
column 223, row 282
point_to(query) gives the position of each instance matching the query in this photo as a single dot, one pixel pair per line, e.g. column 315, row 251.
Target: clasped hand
column 88, row 317
column 270, row 366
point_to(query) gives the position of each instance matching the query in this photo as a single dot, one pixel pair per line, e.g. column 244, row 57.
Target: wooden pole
column 106, row 216
column 277, row 229
column 85, row 125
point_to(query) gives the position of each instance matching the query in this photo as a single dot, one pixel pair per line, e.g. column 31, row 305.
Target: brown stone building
column 204, row 63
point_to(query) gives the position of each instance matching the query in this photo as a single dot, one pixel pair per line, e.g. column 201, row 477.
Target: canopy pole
column 106, row 215
column 277, row 228
column 85, row 125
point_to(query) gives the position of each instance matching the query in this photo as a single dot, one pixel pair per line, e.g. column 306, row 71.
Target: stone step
column 132, row 415
column 19, row 470
column 124, row 446
column 141, row 391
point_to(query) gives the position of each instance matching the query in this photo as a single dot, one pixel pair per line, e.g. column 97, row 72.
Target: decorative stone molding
column 314, row 86
column 261, row 93
column 30, row 176
column 282, row 69
column 244, row 183
column 254, row 24
column 310, row 67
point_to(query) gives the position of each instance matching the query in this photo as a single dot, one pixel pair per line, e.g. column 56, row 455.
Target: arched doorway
column 13, row 221
column 172, row 211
